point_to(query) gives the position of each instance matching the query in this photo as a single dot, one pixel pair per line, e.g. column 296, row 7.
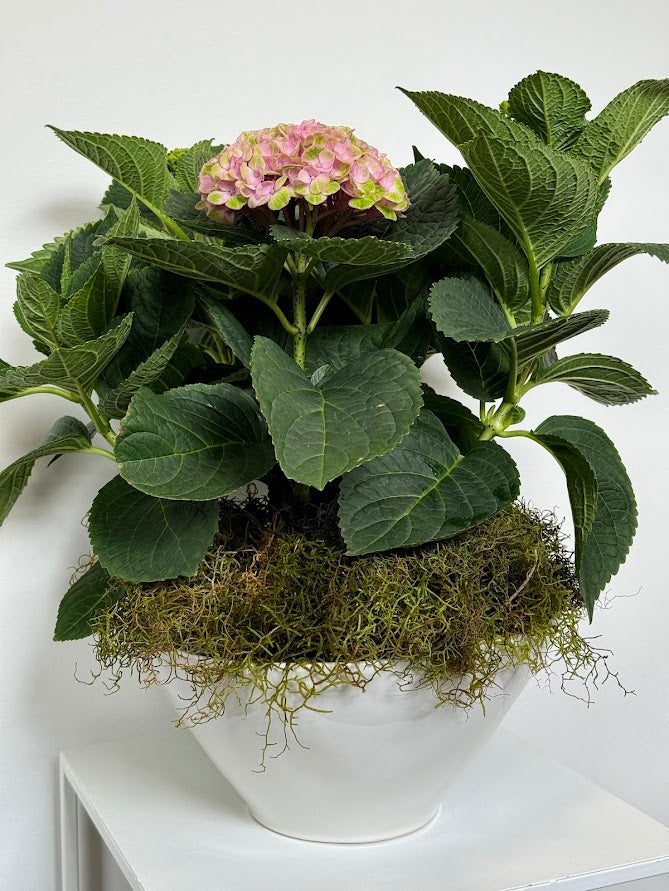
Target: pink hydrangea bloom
column 309, row 161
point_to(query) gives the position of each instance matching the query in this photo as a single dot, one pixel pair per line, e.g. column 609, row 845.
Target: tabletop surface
column 514, row 820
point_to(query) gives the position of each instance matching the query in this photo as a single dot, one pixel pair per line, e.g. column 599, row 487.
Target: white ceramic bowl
column 369, row 765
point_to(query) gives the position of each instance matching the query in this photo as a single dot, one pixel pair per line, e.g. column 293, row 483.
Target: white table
column 515, row 820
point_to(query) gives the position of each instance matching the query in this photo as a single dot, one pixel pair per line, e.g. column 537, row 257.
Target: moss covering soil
column 277, row 588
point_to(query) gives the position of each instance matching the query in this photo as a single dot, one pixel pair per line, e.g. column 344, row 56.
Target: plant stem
column 94, row 450
column 101, row 424
column 300, row 318
column 318, row 312
column 535, row 289
column 510, row 395
column 46, row 388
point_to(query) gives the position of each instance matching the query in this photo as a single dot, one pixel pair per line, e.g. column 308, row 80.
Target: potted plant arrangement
column 323, row 561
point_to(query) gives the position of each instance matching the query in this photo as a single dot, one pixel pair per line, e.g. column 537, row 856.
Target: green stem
column 300, row 319
column 168, row 222
column 318, row 312
column 94, row 450
column 535, row 289
column 278, row 312
column 101, row 424
column 545, row 280
column 46, row 388
column 510, row 395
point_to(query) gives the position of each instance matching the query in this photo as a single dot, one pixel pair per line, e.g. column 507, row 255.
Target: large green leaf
column 321, row 430
column 161, row 304
column 67, row 435
column 573, row 278
column 462, row 426
column 499, row 259
column 424, row 489
column 622, row 125
column 143, row 539
column 535, row 340
column 115, row 402
column 254, row 269
column 196, row 442
column 70, row 369
column 586, row 238
column 546, row 197
column 552, row 105
column 464, row 309
column 37, row 307
column 337, row 345
column 89, row 311
column 88, row 596
column 431, row 218
column 605, row 379
column 603, row 547
column 363, row 251
column 139, row 165
column 480, row 369
column 461, row 119
column 582, row 490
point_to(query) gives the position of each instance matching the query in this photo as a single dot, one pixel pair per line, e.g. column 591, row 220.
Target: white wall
column 178, row 72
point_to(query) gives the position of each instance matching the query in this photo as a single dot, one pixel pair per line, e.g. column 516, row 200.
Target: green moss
column 278, row 588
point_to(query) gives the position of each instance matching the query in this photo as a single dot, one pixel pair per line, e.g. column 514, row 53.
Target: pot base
column 343, row 840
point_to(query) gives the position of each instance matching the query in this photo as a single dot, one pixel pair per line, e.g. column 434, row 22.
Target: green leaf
column 547, row 198
column 535, row 340
column 586, row 238
column 115, row 402
column 431, row 218
column 582, row 490
column 161, row 304
column 473, row 200
column 90, row 310
column 337, row 345
column 67, row 435
column 602, row 548
column 37, row 307
column 86, row 598
column 48, row 261
column 234, row 334
column 254, row 269
column 393, row 294
column 197, row 442
column 622, row 125
column 367, row 250
column 463, row 427
column 461, row 119
column 480, row 369
column 320, row 431
column 189, row 165
column 67, row 368
column 572, row 279
column 139, row 165
column 499, row 259
column 464, row 309
column 552, row 106
column 182, row 208
column 139, row 538
column 432, row 215
column 605, row 379
column 423, row 490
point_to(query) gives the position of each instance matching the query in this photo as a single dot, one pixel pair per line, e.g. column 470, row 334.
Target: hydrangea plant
column 260, row 311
